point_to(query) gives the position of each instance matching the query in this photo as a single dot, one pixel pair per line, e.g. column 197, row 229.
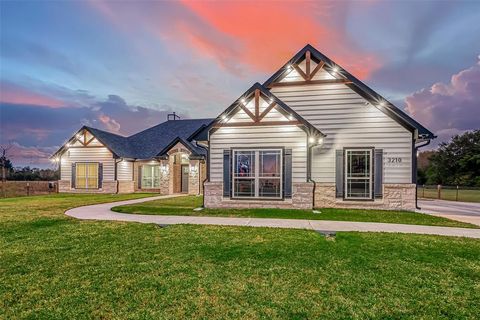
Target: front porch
column 176, row 173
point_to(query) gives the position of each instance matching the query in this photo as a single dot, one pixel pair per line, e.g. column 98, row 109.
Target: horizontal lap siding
column 288, row 137
column 125, row 170
column 343, row 116
column 100, row 154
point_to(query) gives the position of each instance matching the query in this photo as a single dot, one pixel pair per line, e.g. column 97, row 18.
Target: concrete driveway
column 461, row 211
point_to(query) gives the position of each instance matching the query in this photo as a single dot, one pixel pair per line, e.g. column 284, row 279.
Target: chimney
column 172, row 116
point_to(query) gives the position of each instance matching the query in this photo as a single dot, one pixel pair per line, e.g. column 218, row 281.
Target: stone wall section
column 302, row 198
column 395, row 197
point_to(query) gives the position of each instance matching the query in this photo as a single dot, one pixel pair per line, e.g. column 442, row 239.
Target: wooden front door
column 184, row 180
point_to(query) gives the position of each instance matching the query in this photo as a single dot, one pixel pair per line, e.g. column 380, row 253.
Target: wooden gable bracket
column 308, row 74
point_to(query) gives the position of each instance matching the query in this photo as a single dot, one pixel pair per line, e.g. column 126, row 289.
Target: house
column 312, row 135
column 160, row 159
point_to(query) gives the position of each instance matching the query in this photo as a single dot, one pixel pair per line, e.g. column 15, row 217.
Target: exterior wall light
column 193, row 169
column 311, row 140
column 164, row 168
column 243, row 101
column 320, row 141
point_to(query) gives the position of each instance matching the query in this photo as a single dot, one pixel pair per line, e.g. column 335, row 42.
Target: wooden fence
column 10, row 189
column 452, row 193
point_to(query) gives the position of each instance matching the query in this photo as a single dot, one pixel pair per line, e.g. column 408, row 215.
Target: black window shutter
column 227, row 168
column 339, row 171
column 100, row 175
column 139, row 177
column 74, row 175
column 287, row 173
column 378, row 173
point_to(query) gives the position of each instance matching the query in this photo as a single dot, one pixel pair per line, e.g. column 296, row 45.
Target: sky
column 122, row 66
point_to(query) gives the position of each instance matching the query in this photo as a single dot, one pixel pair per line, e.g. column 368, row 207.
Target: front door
column 184, row 183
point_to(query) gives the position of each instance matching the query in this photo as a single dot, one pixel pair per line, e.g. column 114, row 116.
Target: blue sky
column 122, row 66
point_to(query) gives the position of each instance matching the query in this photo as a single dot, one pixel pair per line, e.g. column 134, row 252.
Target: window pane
column 269, row 188
column 156, row 176
column 92, row 178
column 146, row 176
column 358, row 188
column 244, row 188
column 244, row 164
column 81, row 175
column 358, row 163
column 270, row 164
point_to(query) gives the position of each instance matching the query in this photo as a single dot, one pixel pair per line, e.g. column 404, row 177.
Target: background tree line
column 456, row 162
column 8, row 172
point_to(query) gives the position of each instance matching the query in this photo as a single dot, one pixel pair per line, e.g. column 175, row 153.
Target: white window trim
column 152, row 168
column 370, row 178
column 256, row 176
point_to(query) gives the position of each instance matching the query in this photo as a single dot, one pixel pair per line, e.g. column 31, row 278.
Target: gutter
column 416, row 171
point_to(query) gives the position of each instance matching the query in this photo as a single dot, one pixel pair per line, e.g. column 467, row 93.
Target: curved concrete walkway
column 103, row 212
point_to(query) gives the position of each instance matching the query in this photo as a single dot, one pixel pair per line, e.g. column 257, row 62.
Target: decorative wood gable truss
column 259, row 107
column 309, row 66
column 83, row 138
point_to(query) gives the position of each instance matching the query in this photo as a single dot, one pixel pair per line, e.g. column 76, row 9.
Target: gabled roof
column 152, row 142
column 202, row 135
column 358, row 86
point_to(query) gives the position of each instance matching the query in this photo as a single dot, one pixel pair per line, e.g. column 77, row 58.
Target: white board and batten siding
column 288, row 137
column 346, row 119
column 86, row 154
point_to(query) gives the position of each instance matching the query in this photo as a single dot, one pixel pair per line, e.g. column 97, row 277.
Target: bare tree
column 3, row 159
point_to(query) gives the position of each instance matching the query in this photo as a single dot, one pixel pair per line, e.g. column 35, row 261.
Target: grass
column 56, row 267
column 184, row 206
column 450, row 194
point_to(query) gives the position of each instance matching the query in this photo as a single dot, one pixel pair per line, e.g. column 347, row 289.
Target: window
column 257, row 174
column 150, row 177
column 358, row 174
column 86, row 175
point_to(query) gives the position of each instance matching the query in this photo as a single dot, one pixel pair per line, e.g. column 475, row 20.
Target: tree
column 5, row 163
column 456, row 162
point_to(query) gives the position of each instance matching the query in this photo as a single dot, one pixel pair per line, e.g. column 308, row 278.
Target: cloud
column 15, row 94
column 33, row 156
column 245, row 36
column 268, row 32
column 449, row 108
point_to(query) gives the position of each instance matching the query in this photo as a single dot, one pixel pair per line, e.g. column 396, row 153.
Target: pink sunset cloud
column 270, row 33
column 449, row 108
column 10, row 93
column 260, row 36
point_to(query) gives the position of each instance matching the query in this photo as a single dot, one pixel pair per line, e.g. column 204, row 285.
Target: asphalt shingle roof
column 153, row 141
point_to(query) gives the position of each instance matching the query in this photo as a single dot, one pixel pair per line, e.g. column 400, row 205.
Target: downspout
column 207, row 167
column 309, row 170
column 415, row 149
column 115, row 175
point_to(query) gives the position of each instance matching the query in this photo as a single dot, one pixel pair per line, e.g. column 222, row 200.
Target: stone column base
column 126, row 186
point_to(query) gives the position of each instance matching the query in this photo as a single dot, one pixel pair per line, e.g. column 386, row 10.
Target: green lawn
column 184, row 206
column 450, row 194
column 56, row 267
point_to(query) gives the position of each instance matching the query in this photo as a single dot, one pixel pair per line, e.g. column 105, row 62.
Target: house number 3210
column 394, row 160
